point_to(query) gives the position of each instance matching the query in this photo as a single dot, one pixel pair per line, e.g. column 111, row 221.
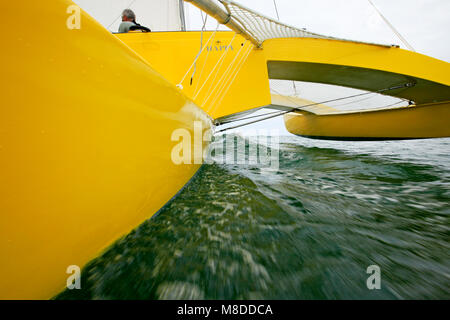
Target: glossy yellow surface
column 366, row 67
column 361, row 66
column 370, row 68
column 229, row 76
column 350, row 64
column 85, row 145
column 427, row 121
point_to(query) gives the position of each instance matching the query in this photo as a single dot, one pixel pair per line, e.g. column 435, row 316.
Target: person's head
column 128, row 15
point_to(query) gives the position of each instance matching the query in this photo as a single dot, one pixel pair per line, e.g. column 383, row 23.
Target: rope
column 226, row 84
column 402, row 39
column 179, row 85
column 201, row 72
column 223, row 76
column 294, row 102
column 278, row 18
column 230, row 83
column 221, row 59
column 295, row 88
column 299, row 108
column 201, row 44
column 276, row 9
column 390, row 105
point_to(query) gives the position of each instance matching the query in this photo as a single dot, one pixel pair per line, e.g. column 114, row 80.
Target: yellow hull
column 357, row 65
column 85, row 145
column 231, row 76
column 349, row 64
column 414, row 122
column 361, row 66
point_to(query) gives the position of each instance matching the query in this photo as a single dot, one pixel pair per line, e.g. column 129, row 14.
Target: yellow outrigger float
column 87, row 119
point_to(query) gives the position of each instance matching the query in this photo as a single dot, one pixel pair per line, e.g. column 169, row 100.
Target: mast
column 182, row 15
column 224, row 18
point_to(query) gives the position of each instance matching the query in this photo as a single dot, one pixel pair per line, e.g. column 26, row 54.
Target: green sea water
column 308, row 229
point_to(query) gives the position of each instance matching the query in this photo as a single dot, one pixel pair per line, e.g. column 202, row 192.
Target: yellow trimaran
column 87, row 118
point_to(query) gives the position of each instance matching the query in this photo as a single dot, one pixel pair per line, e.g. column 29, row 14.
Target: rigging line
column 222, row 78
column 238, row 69
column 221, row 60
column 261, row 115
column 355, row 101
column 364, row 99
column 217, row 90
column 224, row 87
column 276, row 9
column 201, row 72
column 278, row 111
column 222, row 81
column 201, row 44
column 274, row 112
column 131, row 3
column 295, row 88
column 347, row 103
column 392, row 27
column 387, row 106
column 278, row 18
column 407, row 85
column 230, row 83
column 245, row 118
column 198, row 55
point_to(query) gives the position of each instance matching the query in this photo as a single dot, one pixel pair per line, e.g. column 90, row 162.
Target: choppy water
column 308, row 230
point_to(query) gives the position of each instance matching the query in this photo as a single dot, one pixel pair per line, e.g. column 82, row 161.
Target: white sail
column 158, row 15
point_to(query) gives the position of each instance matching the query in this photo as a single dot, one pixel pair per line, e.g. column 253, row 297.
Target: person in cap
column 129, row 22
